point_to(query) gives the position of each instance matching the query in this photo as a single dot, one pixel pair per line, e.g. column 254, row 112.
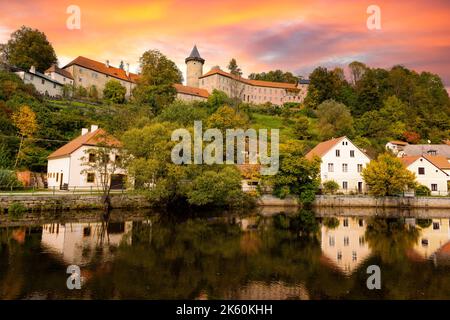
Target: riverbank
column 65, row 202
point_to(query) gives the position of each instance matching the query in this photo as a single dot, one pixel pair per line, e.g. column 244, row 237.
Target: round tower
column 194, row 68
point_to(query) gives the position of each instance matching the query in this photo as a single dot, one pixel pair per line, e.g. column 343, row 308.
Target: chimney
column 94, row 127
column 127, row 71
column 107, row 63
column 84, row 131
column 33, row 69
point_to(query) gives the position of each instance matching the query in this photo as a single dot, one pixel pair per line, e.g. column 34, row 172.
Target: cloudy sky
column 292, row 35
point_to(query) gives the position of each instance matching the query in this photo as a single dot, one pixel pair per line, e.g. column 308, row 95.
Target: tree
column 275, row 76
column 334, row 120
column 234, row 68
column 114, row 92
column 93, row 92
column 25, row 121
column 227, row 118
column 324, row 85
column 155, row 86
column 183, row 113
column 297, row 176
column 301, row 127
column 386, row 176
column 104, row 160
column 222, row 188
column 218, row 99
column 29, row 47
column 330, row 187
column 357, row 70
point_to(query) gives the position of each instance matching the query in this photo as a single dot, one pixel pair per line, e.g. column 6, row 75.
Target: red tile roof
column 323, row 148
column 102, row 68
column 62, row 72
column 259, row 83
column 400, row 143
column 439, row 162
column 191, row 90
column 408, row 160
column 89, row 139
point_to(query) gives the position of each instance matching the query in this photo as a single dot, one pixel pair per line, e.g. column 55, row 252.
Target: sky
column 292, row 35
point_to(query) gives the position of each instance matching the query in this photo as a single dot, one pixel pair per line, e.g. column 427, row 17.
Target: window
column 354, row 256
column 91, row 157
column 433, row 187
column 54, row 86
column 90, row 177
column 436, row 226
column 43, row 81
column 339, row 255
column 352, row 153
column 424, row 242
column 81, row 70
column 432, row 152
column 346, row 241
column 338, row 153
column 330, row 167
column 361, row 222
column 344, row 185
column 360, row 167
column 361, row 241
column 421, row 170
column 57, row 177
column 331, row 241
column 344, row 167
column 345, row 222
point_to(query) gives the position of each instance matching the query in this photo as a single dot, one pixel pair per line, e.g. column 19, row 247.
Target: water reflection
column 229, row 256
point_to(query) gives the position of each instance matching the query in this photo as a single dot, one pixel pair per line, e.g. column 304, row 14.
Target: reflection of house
column 433, row 237
column 342, row 162
column 77, row 242
column 345, row 245
column 429, row 172
column 66, row 166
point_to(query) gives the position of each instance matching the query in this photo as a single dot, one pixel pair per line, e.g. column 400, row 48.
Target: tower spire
column 195, row 56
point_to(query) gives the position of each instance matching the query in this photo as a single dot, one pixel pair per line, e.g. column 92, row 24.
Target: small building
column 44, row 84
column 187, row 93
column 60, row 75
column 428, row 172
column 67, row 169
column 396, row 146
column 342, row 162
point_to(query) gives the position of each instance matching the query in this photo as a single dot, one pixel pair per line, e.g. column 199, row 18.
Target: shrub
column 16, row 210
column 330, row 187
column 423, row 191
column 8, row 180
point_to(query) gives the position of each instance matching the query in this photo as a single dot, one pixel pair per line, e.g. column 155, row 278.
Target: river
column 226, row 255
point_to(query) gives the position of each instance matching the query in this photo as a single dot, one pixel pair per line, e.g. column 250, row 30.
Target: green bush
column 423, row 191
column 16, row 210
column 8, row 180
column 330, row 187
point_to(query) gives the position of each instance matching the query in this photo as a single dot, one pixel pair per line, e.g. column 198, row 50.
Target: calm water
column 229, row 256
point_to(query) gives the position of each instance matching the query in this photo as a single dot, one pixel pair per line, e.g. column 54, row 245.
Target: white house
column 429, row 172
column 43, row 84
column 67, row 167
column 342, row 162
column 60, row 75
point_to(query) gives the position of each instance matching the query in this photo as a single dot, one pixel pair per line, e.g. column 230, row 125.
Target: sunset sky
column 292, row 35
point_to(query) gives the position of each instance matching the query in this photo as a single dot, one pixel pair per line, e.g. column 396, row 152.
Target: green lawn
column 263, row 121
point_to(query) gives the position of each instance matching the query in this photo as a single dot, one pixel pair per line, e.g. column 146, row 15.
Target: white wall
column 433, row 175
column 42, row 85
column 58, row 165
column 60, row 78
column 352, row 176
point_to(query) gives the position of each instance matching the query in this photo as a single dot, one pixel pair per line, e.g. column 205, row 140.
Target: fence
column 93, row 190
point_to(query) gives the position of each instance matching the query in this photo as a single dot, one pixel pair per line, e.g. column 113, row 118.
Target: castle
column 87, row 73
column 199, row 85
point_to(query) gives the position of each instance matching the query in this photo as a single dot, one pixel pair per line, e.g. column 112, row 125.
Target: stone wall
column 384, row 202
column 71, row 202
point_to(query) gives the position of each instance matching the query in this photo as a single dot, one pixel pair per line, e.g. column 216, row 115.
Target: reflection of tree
column 390, row 238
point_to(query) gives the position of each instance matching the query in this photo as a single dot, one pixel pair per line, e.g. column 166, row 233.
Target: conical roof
column 195, row 55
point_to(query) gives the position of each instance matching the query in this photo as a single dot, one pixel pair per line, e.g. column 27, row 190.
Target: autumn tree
column 29, row 47
column 387, row 176
column 25, row 121
column 334, row 120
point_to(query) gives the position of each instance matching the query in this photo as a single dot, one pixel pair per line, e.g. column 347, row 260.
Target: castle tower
column 194, row 68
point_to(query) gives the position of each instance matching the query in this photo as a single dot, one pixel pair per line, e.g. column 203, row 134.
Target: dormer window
column 432, row 152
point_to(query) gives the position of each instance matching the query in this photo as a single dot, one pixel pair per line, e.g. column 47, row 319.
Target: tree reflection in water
column 226, row 256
